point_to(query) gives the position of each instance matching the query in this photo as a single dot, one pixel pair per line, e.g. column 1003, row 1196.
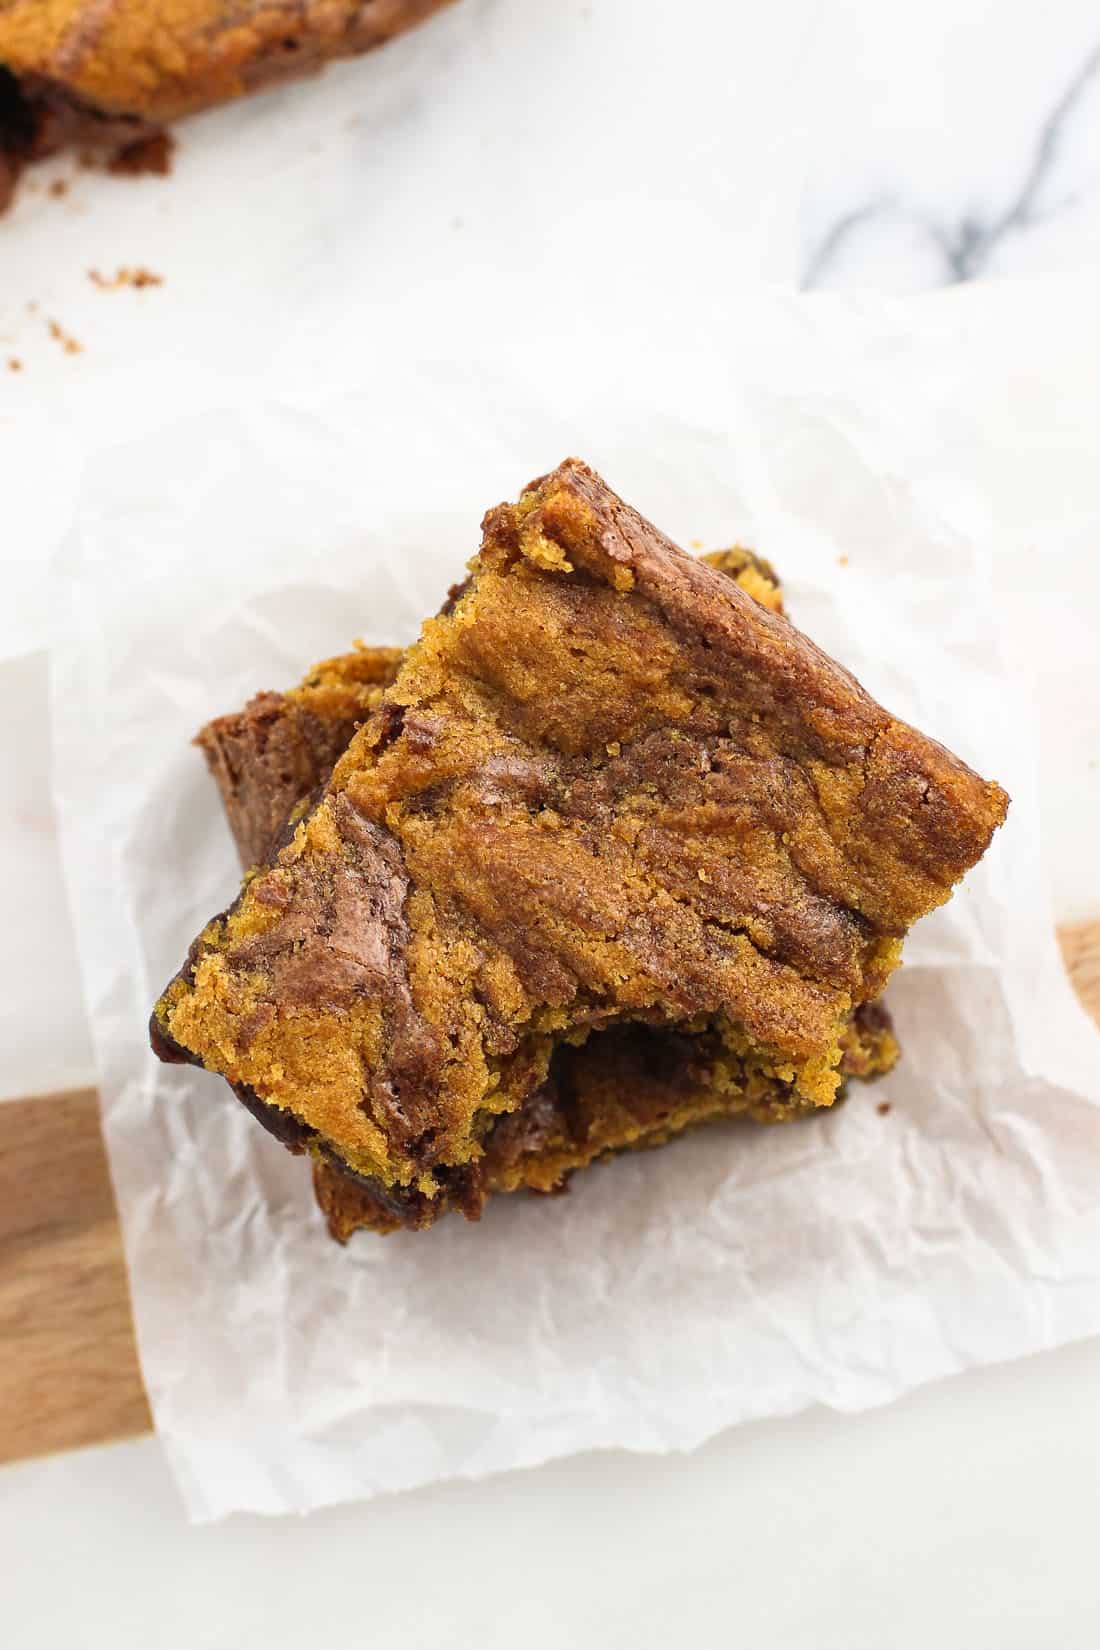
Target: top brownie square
column 606, row 786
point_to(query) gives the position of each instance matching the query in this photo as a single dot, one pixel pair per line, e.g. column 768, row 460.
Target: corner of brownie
column 282, row 746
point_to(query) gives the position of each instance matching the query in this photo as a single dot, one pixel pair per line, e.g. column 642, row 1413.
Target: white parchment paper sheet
column 739, row 1273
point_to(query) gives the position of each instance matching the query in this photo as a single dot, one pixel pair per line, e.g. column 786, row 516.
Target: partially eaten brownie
column 109, row 78
column 607, row 793
column 627, row 1089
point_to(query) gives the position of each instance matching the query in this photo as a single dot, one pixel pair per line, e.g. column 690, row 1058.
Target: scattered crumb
column 883, row 1107
column 148, row 154
column 59, row 187
column 696, row 544
column 68, row 343
column 32, row 306
column 842, row 561
column 14, row 364
column 126, row 276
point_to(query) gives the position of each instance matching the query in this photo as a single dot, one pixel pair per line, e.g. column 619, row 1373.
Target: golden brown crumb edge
column 605, row 789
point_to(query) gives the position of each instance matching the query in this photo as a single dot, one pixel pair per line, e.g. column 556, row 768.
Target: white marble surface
column 869, row 147
column 963, row 1517
column 954, row 140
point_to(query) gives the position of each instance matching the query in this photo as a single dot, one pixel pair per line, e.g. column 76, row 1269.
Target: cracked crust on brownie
column 270, row 756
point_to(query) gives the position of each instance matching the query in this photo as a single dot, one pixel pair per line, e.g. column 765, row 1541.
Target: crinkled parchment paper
column 741, row 1272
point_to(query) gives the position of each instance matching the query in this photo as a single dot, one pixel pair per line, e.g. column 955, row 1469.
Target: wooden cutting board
column 68, row 1364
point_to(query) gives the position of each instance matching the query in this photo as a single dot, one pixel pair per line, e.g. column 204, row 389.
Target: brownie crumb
column 14, row 364
column 883, row 1108
column 58, row 188
column 125, row 276
column 148, row 155
column 69, row 344
column 842, row 561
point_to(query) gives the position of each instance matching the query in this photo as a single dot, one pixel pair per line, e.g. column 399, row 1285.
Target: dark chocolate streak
column 460, row 1187
column 289, row 1130
column 348, row 941
column 33, row 111
column 38, row 117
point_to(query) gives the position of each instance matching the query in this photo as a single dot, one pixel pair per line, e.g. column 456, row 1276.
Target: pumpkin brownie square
column 618, row 1091
column 606, row 789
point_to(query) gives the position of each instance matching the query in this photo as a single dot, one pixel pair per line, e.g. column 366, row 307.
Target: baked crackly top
column 280, row 747
column 631, row 1087
column 160, row 59
column 605, row 786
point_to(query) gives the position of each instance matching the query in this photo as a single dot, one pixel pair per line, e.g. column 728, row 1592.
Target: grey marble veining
column 935, row 170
